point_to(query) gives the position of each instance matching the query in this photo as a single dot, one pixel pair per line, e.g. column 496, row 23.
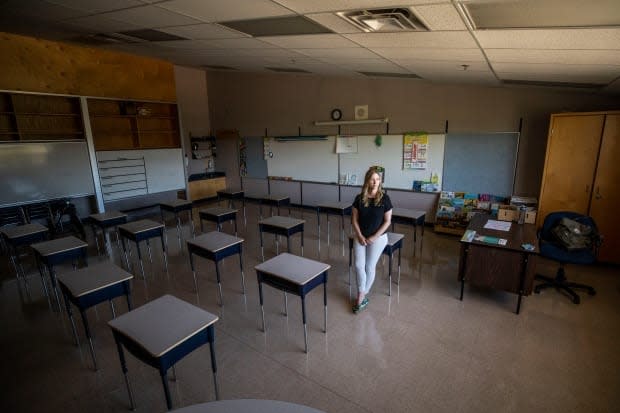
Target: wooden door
column 570, row 164
column 227, row 159
column 606, row 195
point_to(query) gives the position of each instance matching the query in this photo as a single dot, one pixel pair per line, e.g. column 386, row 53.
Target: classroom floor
column 420, row 350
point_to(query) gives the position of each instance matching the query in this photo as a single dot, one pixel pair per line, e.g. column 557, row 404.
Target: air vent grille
column 384, row 20
column 287, row 69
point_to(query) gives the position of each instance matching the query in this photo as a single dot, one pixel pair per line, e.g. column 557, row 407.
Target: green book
column 491, row 240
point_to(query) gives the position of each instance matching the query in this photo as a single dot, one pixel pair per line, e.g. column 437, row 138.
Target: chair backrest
column 550, row 247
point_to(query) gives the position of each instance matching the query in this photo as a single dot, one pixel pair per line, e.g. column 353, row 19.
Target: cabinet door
column 606, row 196
column 572, row 151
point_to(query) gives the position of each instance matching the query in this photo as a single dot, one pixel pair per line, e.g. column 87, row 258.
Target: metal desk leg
column 219, row 283
column 303, row 313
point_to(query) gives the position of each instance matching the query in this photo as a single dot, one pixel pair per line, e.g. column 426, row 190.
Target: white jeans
column 366, row 257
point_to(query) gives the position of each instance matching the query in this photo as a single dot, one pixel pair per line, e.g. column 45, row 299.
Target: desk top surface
column 215, row 241
column 140, row 226
column 232, row 192
column 275, row 197
column 408, row 213
column 296, row 269
column 518, row 234
column 23, row 230
column 162, row 324
column 107, row 216
column 58, row 246
column 176, row 203
column 335, row 205
column 218, row 211
column 247, row 406
column 93, row 278
column 282, row 222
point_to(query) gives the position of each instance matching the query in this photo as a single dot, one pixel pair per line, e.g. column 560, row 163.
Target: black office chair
column 551, row 248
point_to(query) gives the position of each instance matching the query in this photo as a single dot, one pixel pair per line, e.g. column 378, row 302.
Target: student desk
column 216, row 246
column 218, row 215
column 142, row 230
column 394, row 243
column 18, row 236
column 336, row 208
column 56, row 251
column 231, row 195
column 296, row 275
column 175, row 207
column 281, row 226
column 274, row 200
column 247, row 406
column 162, row 332
column 502, row 267
column 90, row 286
column 409, row 217
column 107, row 220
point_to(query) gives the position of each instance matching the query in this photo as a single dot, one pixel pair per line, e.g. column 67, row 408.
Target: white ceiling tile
column 550, row 39
column 185, row 44
column 442, row 66
column 271, row 52
column 226, row 10
column 203, row 31
column 97, row 6
column 345, row 52
column 605, row 57
column 98, row 24
column 151, row 16
column 440, row 40
column 241, row 43
column 333, row 23
column 402, row 53
column 440, row 17
column 310, row 41
column 314, row 6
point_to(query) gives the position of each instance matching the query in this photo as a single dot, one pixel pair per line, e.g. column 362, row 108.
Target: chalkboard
column 41, row 171
column 390, row 156
column 480, row 163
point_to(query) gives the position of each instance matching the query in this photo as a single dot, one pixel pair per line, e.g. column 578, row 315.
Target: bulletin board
column 481, row 162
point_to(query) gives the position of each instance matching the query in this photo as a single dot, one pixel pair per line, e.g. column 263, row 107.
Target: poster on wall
column 346, row 144
column 415, row 150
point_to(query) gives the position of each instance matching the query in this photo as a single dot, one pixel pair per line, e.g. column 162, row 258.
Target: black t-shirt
column 370, row 218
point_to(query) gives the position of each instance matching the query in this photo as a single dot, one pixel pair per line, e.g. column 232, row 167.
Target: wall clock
column 336, row 114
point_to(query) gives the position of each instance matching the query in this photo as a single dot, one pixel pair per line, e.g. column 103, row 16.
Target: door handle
column 598, row 194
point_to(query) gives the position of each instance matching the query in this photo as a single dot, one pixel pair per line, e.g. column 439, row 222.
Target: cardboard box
column 508, row 213
column 530, row 217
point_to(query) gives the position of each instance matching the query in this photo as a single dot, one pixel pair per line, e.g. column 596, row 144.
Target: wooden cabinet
column 118, row 125
column 205, row 188
column 31, row 117
column 582, row 171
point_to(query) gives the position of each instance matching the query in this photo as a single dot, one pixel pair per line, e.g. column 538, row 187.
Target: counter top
column 206, row 175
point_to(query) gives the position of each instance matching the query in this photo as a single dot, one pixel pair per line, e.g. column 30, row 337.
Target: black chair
column 552, row 249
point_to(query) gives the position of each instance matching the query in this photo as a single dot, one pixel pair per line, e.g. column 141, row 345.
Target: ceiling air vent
column 384, row 20
column 553, row 84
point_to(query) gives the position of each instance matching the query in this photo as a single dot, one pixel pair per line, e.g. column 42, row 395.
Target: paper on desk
column 498, row 225
column 491, row 240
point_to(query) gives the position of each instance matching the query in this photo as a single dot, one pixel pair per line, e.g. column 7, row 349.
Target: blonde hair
column 377, row 200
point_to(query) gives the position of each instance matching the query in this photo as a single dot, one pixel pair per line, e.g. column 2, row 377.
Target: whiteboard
column 31, row 172
column 390, row 156
column 301, row 160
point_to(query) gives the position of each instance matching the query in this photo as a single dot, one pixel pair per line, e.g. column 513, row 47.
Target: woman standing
column 371, row 217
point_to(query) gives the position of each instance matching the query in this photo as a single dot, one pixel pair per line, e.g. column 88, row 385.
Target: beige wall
column 282, row 103
column 193, row 101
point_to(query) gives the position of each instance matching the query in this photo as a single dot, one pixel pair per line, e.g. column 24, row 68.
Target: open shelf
column 121, row 124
